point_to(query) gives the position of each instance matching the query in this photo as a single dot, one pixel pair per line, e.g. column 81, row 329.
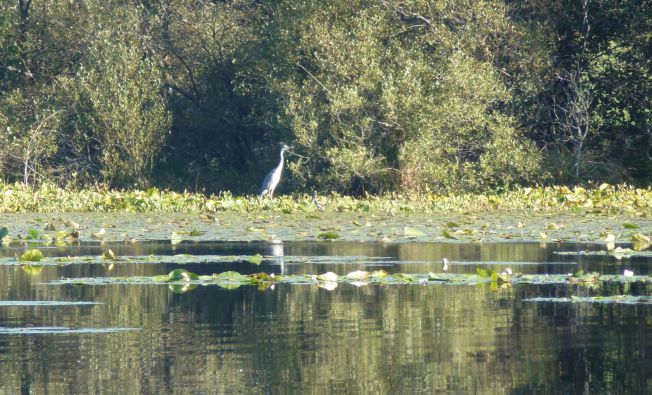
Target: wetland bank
column 260, row 296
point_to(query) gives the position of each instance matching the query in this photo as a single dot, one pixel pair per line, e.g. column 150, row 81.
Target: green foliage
column 412, row 96
column 49, row 198
column 385, row 97
column 33, row 255
column 116, row 103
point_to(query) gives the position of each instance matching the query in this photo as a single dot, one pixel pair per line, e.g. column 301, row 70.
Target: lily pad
column 182, row 275
column 328, row 236
column 412, row 232
column 33, row 255
column 255, row 259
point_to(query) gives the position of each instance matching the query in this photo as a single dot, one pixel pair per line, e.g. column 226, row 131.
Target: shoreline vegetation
column 602, row 199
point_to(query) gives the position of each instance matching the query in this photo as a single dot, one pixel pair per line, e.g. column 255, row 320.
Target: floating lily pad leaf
column 99, row 235
column 60, row 235
column 72, row 224
column 640, row 238
column 32, row 270
column 328, row 236
column 182, row 275
column 403, row 277
column 552, row 226
column 630, row 225
column 263, row 277
column 33, row 234
column 358, row 275
column 32, row 255
column 255, row 259
column 328, row 276
column 109, row 254
column 412, row 232
column 4, row 232
column 378, row 274
column 581, row 278
column 195, row 232
column 617, row 299
column 452, row 225
column 447, row 234
column 231, row 276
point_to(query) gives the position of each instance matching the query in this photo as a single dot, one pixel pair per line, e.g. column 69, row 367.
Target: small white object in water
column 445, row 262
column 509, row 270
column 628, row 273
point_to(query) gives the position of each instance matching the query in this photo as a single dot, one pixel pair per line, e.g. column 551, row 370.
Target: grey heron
column 271, row 180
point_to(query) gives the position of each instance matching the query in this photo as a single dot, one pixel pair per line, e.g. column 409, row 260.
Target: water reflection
column 298, row 339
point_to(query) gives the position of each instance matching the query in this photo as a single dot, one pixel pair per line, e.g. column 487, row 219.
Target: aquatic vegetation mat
column 615, row 299
column 618, row 253
column 182, row 259
column 230, row 279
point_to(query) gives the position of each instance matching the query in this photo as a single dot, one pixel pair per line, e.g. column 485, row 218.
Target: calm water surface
column 304, row 339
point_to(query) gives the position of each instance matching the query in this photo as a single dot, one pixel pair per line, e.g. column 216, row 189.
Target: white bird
column 444, row 264
column 271, row 180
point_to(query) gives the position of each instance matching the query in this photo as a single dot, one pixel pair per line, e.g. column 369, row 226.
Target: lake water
column 304, row 339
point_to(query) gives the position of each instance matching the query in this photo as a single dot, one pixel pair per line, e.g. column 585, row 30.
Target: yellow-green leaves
column 255, row 259
column 32, row 255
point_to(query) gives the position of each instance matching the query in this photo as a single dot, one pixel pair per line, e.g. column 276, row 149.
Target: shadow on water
column 300, row 338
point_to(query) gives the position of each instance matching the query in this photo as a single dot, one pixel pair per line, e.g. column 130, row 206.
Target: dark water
column 303, row 339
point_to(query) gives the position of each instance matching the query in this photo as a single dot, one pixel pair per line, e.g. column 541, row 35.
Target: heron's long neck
column 280, row 164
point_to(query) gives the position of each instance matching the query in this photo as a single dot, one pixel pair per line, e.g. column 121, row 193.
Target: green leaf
column 255, row 259
column 231, row 276
column 3, row 232
column 328, row 236
column 328, row 276
column 640, row 238
column 32, row 255
column 447, row 234
column 630, row 225
column 34, row 234
column 452, row 225
column 182, row 275
column 412, row 232
column 403, row 277
column 358, row 275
